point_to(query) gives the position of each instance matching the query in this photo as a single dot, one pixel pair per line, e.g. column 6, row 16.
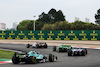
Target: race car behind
column 77, row 51
column 62, row 48
column 37, row 45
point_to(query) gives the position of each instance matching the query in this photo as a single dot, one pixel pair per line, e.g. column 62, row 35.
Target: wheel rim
column 52, row 57
column 85, row 52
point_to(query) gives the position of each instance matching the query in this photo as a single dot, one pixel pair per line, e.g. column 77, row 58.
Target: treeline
column 45, row 18
column 77, row 25
column 55, row 20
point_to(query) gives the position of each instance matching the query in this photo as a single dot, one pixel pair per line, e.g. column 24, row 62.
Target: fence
column 52, row 35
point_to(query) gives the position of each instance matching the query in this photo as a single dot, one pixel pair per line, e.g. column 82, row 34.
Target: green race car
column 62, row 48
column 32, row 57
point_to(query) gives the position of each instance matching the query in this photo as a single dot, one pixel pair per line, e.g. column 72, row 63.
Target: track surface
column 90, row 60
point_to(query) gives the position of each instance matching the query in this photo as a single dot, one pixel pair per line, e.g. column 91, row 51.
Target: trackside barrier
column 52, row 35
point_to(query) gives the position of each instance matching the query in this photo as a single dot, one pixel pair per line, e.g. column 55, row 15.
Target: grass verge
column 6, row 54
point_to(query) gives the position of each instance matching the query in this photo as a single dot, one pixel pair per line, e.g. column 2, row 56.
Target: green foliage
column 77, row 25
column 60, row 16
column 60, row 25
column 97, row 17
column 44, row 17
column 47, row 27
column 56, row 26
column 55, row 20
column 25, row 25
column 52, row 16
column 39, row 25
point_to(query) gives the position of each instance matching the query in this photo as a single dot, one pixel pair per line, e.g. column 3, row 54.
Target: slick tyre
column 51, row 57
column 86, row 51
column 37, row 45
column 59, row 50
column 15, row 60
column 69, row 53
column 45, row 46
column 54, row 48
column 83, row 53
column 28, row 45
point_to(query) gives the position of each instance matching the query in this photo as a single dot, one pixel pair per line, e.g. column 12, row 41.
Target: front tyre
column 69, row 53
column 51, row 57
column 86, row 50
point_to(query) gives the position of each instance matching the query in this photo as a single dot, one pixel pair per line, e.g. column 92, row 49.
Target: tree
column 25, row 25
column 77, row 25
column 97, row 17
column 44, row 17
column 39, row 25
column 59, row 16
column 56, row 26
column 52, row 16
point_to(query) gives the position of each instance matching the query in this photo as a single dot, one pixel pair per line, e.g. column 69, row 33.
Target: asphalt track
column 90, row 60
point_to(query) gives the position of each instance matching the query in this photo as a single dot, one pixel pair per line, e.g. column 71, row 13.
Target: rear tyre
column 83, row 53
column 15, row 60
column 59, row 49
column 28, row 45
column 51, row 57
column 54, row 48
column 37, row 45
column 69, row 53
column 45, row 46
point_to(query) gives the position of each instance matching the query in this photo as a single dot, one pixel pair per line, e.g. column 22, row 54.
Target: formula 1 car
column 77, row 51
column 32, row 57
column 37, row 45
column 62, row 48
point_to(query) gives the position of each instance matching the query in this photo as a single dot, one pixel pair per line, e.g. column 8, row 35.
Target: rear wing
column 66, row 45
column 42, row 42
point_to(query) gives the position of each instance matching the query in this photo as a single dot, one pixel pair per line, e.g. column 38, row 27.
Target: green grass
column 6, row 54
